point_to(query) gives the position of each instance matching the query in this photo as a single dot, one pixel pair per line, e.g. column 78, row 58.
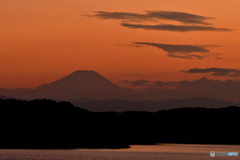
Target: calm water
column 136, row 152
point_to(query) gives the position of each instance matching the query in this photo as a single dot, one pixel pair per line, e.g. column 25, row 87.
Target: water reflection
column 136, row 152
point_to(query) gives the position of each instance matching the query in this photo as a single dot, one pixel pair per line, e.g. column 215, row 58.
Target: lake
column 136, row 152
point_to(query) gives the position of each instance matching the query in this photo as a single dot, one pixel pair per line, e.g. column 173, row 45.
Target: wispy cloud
column 202, row 83
column 182, row 17
column 133, row 74
column 175, row 28
column 203, row 87
column 180, row 51
column 216, row 71
column 137, row 83
column 191, row 22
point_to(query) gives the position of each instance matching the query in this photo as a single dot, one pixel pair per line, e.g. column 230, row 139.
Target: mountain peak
column 84, row 71
column 78, row 84
column 84, row 79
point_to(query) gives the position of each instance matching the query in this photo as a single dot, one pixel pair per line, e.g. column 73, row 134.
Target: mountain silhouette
column 78, row 85
column 81, row 85
column 47, row 124
column 81, row 79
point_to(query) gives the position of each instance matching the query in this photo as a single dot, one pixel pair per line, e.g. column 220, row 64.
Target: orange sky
column 44, row 40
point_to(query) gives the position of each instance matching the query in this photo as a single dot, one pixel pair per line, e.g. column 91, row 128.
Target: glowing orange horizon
column 42, row 41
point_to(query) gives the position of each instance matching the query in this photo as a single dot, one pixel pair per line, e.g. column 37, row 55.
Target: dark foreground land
column 46, row 124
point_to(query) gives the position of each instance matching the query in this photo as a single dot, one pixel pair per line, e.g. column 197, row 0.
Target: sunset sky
column 155, row 40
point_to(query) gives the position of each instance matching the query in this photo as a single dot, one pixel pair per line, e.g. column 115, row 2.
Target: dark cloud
column 235, row 75
column 182, row 17
column 133, row 74
column 137, row 83
column 180, row 51
column 175, row 48
column 224, row 90
column 197, row 22
column 202, row 83
column 216, row 71
column 149, row 84
column 187, row 56
column 131, row 45
column 175, row 28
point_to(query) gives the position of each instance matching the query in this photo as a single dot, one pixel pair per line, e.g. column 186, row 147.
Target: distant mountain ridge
column 151, row 106
column 89, row 90
column 4, row 97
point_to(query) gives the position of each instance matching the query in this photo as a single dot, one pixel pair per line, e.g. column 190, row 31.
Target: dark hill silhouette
column 50, row 124
column 118, row 105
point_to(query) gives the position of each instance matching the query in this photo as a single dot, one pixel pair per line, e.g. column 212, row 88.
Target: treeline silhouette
column 46, row 124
